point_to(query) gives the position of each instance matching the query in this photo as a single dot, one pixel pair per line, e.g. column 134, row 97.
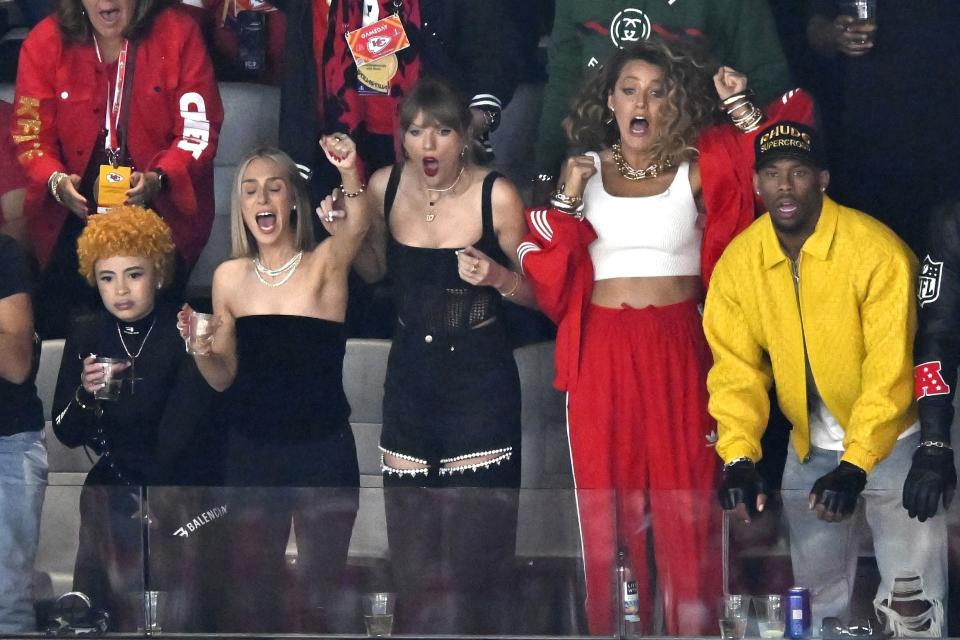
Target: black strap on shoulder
column 391, row 193
column 486, row 203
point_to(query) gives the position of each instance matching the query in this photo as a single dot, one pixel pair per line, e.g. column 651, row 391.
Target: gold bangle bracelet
column 517, row 279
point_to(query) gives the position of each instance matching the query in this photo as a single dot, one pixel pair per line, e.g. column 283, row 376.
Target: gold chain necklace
column 628, row 172
column 431, row 214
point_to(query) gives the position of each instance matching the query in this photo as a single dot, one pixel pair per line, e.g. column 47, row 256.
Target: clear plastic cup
column 770, row 618
column 378, row 613
column 862, row 10
column 202, row 327
column 114, row 372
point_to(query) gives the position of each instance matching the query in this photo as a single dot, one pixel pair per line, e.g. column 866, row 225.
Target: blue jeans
column 23, row 479
column 824, row 554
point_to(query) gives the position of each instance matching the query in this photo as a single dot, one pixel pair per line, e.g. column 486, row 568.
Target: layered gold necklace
column 431, row 213
column 654, row 170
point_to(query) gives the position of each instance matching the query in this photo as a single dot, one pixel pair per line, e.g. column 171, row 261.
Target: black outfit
column 20, row 408
column 472, row 44
column 452, row 388
column 291, row 455
column 889, row 119
column 937, row 344
column 156, row 433
column 452, row 392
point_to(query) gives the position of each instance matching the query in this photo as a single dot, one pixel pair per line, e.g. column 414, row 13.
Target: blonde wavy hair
column 690, row 106
column 129, row 230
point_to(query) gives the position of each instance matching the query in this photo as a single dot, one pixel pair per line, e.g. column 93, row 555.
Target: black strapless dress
column 291, row 458
column 287, row 413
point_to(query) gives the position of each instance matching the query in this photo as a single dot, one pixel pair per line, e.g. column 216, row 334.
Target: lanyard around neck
column 115, row 102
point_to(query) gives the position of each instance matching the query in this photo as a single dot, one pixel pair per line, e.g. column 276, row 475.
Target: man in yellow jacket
column 818, row 299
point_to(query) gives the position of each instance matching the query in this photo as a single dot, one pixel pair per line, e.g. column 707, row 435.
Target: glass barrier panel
column 475, row 562
column 875, row 572
column 90, row 572
column 480, row 562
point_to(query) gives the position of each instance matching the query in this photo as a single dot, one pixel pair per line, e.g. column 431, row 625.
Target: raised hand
column 576, row 171
column 341, row 151
column 729, row 81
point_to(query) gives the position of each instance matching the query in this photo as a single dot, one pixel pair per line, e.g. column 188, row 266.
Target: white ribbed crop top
column 643, row 236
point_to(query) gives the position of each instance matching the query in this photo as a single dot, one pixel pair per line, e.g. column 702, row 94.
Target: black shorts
column 452, row 398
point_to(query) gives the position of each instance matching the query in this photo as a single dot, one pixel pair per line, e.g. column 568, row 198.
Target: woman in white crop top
column 653, row 208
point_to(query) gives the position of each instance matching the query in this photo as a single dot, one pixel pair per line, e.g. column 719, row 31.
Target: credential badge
column 928, row 285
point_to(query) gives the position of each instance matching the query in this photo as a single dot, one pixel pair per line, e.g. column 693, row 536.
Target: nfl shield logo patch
column 928, row 287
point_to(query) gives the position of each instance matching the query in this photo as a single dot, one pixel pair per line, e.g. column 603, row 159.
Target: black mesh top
column 429, row 293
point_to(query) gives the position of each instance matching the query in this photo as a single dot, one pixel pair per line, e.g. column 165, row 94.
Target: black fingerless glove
column 839, row 489
column 741, row 483
column 932, row 476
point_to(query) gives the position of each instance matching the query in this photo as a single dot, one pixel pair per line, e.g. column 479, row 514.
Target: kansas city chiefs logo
column 378, row 43
column 928, row 285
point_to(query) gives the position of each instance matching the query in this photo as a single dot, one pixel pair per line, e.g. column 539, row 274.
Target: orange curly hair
column 128, row 230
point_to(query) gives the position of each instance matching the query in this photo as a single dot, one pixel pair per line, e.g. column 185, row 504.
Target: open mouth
column 266, row 221
column 786, row 208
column 639, row 126
column 431, row 167
column 110, row 15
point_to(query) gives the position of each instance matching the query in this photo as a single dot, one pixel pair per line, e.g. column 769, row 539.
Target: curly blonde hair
column 690, row 106
column 129, row 230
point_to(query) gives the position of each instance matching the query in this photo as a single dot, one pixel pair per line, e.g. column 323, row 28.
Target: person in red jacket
column 620, row 263
column 125, row 83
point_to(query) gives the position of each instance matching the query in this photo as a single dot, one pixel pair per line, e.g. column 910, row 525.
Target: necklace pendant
column 430, row 216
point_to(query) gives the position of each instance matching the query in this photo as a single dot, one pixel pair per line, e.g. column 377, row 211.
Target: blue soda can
column 798, row 613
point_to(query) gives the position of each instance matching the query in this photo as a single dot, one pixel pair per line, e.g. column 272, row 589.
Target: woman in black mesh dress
column 447, row 235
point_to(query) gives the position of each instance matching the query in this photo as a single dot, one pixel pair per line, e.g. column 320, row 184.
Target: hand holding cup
column 197, row 330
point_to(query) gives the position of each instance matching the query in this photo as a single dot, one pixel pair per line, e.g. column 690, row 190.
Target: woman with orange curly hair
column 147, row 434
column 620, row 262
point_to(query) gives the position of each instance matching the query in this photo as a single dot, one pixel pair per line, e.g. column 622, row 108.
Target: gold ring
column 475, row 268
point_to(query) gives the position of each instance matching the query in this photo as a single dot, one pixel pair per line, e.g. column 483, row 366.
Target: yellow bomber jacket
column 857, row 314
